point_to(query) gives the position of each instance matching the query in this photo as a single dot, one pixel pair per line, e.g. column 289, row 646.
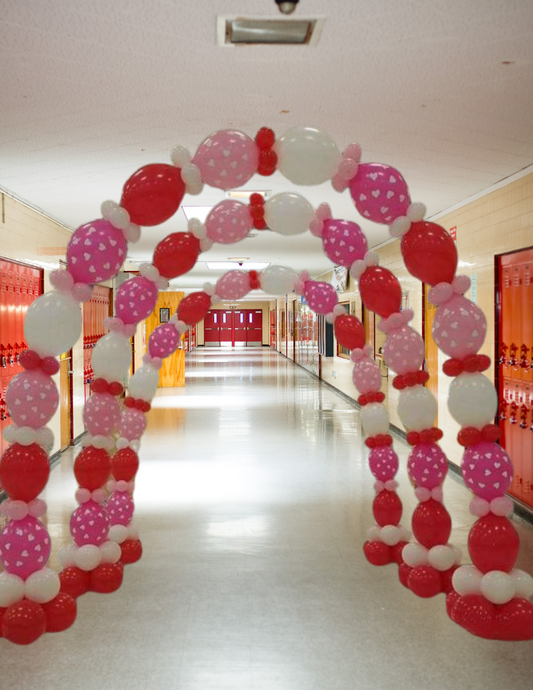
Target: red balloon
column 451, row 599
column 380, row 291
column 387, row 508
column 349, row 331
column 377, row 553
column 176, row 254
column 74, row 581
column 24, row 622
column 493, row 543
column 403, row 573
column 429, row 253
column 2, row 611
column 60, row 613
column 24, row 471
column 446, row 579
column 124, row 464
column 424, row 581
column 431, row 523
column 132, row 551
column 475, row 614
column 92, row 468
column 396, row 552
column 107, row 578
column 153, row 194
column 194, row 307
column 514, row 620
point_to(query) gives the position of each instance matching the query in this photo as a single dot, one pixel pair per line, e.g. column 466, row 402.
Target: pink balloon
column 344, row 242
column 383, row 463
column 427, row 465
column 487, row 470
column 32, row 398
column 89, row 524
column 132, row 424
column 163, row 341
column 366, row 376
column 95, row 252
column 228, row 222
column 459, row 327
column 120, row 508
column 136, row 299
column 379, row 192
column 321, row 297
column 233, row 285
column 227, row 159
column 404, row 350
column 24, row 546
column 101, row 414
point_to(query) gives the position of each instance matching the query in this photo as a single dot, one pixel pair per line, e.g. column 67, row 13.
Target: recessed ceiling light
column 238, row 258
column 245, row 194
column 232, row 31
column 200, row 212
column 229, row 265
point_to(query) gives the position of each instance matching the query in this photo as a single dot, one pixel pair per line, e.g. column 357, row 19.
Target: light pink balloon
column 487, row 470
column 136, row 299
column 380, row 193
column 404, row 350
column 24, row 546
column 427, row 465
column 228, row 222
column 227, row 159
column 344, row 242
column 89, row 524
column 459, row 327
column 32, row 398
column 320, row 297
column 101, row 414
column 233, row 285
column 367, row 376
column 95, row 252
column 132, row 424
column 120, row 508
column 163, row 341
column 383, row 463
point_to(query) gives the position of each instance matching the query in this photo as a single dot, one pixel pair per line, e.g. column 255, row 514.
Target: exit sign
column 453, row 233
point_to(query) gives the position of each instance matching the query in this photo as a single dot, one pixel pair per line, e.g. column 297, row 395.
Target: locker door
column 254, row 323
column 226, row 328
column 514, row 440
column 526, row 346
column 239, row 323
column 526, row 428
column 212, row 328
column 515, row 321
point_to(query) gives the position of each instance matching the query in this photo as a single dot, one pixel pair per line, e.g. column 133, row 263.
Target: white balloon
column 133, row 531
column 307, row 155
column 498, row 587
column 278, row 280
column 375, row 419
column 467, row 580
column 441, row 557
column 66, row 555
column 144, row 382
column 288, row 213
column 118, row 533
column 88, row 557
column 374, row 533
column 523, row 583
column 415, row 554
column 472, row 400
column 391, row 535
column 110, row 552
column 52, row 324
column 111, row 357
column 417, row 408
column 42, row 586
column 11, row 589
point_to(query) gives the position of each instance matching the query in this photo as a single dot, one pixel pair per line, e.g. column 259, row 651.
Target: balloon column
column 490, row 598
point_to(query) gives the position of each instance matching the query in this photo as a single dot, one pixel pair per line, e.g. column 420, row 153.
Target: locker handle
column 524, row 362
column 513, row 359
column 523, row 417
column 503, row 354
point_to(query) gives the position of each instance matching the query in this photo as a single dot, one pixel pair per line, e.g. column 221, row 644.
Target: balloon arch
column 489, row 598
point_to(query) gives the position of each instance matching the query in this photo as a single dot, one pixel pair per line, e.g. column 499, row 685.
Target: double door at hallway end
column 233, row 328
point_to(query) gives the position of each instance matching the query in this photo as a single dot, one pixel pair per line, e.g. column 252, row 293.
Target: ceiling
column 441, row 90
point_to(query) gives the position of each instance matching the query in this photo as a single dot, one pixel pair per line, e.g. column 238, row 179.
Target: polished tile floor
column 253, row 500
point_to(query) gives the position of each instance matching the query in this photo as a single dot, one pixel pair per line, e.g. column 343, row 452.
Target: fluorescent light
column 229, row 265
column 244, row 194
column 200, row 212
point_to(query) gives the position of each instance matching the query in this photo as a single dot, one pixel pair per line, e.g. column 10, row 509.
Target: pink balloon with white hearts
column 404, row 350
column 227, row 159
column 32, row 398
column 487, row 470
column 459, row 327
column 101, row 414
column 132, row 424
column 367, row 376
column 163, row 341
column 383, row 463
column 321, row 297
column 95, row 252
column 228, row 222
column 24, row 546
column 379, row 192
column 136, row 299
column 344, row 242
column 427, row 465
column 233, row 285
column 89, row 524
column 120, row 508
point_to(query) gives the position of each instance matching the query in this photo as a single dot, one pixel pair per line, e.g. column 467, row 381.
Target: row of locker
column 233, row 328
column 516, row 330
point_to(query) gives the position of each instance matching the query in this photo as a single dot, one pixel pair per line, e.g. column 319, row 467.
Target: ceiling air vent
column 242, row 31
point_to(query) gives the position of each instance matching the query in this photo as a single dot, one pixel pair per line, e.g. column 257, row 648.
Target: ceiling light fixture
column 286, row 6
column 242, row 31
column 245, row 194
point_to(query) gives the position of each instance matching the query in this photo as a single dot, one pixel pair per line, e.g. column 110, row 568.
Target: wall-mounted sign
column 453, row 233
column 164, row 315
column 340, row 278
